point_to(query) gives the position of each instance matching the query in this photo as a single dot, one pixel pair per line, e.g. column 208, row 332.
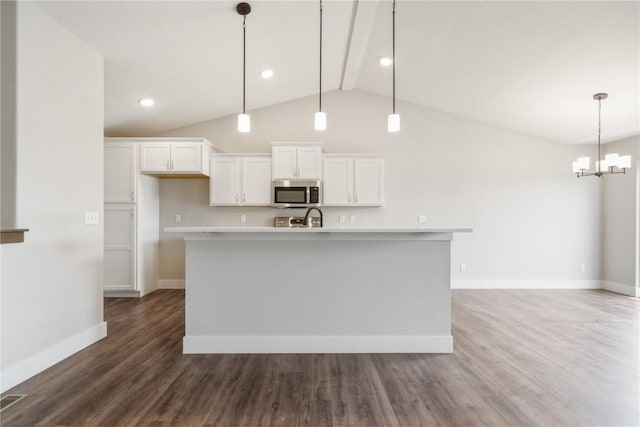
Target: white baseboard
column 22, row 371
column 121, row 294
column 171, row 284
column 317, row 344
column 620, row 288
column 525, row 284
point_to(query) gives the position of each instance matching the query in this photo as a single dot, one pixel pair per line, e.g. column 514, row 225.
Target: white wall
column 620, row 220
column 532, row 219
column 52, row 283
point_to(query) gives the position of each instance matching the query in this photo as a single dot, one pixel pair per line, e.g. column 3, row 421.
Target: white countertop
column 315, row 230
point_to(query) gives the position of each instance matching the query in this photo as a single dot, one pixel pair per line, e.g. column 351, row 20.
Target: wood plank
column 530, row 357
column 12, row 235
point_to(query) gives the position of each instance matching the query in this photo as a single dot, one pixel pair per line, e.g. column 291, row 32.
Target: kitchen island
column 325, row 290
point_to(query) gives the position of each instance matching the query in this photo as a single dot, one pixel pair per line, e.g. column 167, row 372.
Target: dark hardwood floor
column 546, row 358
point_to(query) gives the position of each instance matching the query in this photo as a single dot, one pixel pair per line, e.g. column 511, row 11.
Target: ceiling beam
column 364, row 14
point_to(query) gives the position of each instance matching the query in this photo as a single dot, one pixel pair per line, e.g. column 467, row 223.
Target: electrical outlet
column 422, row 219
column 243, row 218
column 91, row 218
column 582, row 268
column 178, row 218
column 353, row 219
column 463, row 268
column 343, row 218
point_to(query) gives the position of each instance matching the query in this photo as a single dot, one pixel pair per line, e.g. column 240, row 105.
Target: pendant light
column 244, row 120
column 320, row 119
column 611, row 164
column 393, row 121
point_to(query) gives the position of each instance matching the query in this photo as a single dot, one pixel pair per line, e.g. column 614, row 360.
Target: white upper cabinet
column 297, row 162
column 309, row 162
column 224, row 184
column 369, row 182
column 284, row 162
column 119, row 172
column 186, row 157
column 155, row 157
column 353, row 181
column 256, row 181
column 181, row 157
column 240, row 181
column 338, row 182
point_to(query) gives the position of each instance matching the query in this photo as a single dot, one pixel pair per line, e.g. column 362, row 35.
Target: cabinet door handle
column 294, row 172
column 356, row 197
column 349, row 197
column 244, row 198
column 236, row 197
column 171, row 164
column 168, row 168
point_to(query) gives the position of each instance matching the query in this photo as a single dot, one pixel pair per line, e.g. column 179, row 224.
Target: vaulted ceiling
column 526, row 65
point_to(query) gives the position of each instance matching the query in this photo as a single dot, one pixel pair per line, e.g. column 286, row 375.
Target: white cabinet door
column 119, row 243
column 120, row 172
column 155, row 157
column 186, row 157
column 256, row 181
column 369, row 182
column 224, row 185
column 284, row 162
column 337, row 182
column 309, row 163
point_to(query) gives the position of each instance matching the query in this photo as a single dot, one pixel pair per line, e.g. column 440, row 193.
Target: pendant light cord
column 244, row 62
column 599, row 127
column 393, row 47
column 320, row 92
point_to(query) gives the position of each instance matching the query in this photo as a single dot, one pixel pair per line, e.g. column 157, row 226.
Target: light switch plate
column 353, row 219
column 91, row 218
column 422, row 219
column 343, row 218
column 178, row 218
column 463, row 268
column 243, row 218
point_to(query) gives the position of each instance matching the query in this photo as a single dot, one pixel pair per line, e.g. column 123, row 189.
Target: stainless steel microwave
column 295, row 194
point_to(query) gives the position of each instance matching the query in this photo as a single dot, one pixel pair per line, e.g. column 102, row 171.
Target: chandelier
column 611, row 164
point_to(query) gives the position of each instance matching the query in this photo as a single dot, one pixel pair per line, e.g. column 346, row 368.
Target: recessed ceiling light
column 386, row 61
column 146, row 102
column 266, row 74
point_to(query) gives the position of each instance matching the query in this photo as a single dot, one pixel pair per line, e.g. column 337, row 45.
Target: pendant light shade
column 393, row 121
column 244, row 120
column 244, row 123
column 320, row 120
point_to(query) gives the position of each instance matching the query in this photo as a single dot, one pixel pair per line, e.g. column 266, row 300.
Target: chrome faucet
column 305, row 221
